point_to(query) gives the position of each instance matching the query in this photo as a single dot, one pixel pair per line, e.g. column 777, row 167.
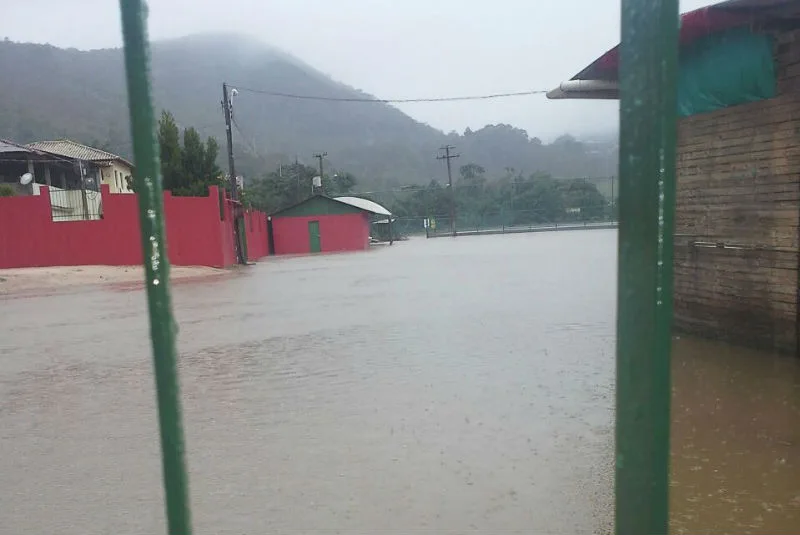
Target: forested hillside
column 49, row 92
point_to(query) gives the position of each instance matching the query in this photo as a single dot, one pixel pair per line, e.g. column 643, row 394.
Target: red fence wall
column 255, row 224
column 344, row 232
column 196, row 236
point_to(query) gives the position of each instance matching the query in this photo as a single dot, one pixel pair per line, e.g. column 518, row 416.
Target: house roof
column 77, row 151
column 11, row 147
column 598, row 80
column 364, row 204
column 322, row 204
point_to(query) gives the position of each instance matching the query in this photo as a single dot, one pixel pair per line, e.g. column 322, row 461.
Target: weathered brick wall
column 738, row 173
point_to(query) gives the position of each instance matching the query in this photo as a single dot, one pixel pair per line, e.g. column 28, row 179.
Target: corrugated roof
column 364, row 204
column 77, row 151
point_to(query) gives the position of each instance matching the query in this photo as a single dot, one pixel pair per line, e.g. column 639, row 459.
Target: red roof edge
column 694, row 25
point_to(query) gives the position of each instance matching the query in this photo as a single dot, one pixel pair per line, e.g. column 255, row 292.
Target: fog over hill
column 50, row 92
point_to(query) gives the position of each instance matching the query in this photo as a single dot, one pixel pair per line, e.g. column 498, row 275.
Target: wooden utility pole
column 447, row 156
column 237, row 227
column 297, row 178
column 319, row 156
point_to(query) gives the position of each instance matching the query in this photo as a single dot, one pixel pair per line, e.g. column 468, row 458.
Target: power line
column 391, row 100
column 246, row 139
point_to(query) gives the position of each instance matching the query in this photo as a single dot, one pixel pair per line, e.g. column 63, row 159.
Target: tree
column 187, row 169
column 583, row 197
column 169, row 142
column 200, row 169
column 341, row 184
column 471, row 171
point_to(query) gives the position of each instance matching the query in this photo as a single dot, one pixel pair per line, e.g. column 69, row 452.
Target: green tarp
column 725, row 69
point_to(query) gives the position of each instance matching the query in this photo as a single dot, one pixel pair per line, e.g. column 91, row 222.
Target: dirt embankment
column 50, row 279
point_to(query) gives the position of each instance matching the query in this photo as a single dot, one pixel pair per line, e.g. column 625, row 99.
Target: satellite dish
column 26, row 179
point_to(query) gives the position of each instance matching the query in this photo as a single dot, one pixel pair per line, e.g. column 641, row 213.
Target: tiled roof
column 71, row 149
column 9, row 146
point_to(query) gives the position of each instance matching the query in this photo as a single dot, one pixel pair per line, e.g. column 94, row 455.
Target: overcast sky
column 389, row 48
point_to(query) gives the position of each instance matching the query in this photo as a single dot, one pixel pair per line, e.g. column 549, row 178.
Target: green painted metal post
column 648, row 115
column 151, row 216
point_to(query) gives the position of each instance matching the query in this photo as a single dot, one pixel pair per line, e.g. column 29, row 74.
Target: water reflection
column 735, row 440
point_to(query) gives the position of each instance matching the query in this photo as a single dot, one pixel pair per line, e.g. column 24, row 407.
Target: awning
column 596, row 78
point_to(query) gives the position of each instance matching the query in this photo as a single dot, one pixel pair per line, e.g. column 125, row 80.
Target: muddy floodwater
column 437, row 386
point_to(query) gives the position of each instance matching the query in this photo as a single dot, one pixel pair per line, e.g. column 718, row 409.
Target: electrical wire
column 250, row 146
column 391, row 100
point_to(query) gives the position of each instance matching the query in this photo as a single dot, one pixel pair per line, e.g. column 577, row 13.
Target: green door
column 313, row 237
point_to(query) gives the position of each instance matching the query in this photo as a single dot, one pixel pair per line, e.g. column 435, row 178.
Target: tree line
column 510, row 199
column 189, row 167
column 516, row 198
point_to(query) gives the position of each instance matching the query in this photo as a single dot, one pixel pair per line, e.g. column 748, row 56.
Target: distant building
column 15, row 161
column 322, row 224
column 73, row 172
column 104, row 167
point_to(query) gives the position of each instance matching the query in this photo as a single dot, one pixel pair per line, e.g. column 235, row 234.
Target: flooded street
column 446, row 386
column 735, row 440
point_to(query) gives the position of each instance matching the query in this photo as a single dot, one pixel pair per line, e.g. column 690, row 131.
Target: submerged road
column 452, row 386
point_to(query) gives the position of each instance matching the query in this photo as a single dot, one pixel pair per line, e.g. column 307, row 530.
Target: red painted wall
column 255, row 224
column 343, row 232
column 195, row 234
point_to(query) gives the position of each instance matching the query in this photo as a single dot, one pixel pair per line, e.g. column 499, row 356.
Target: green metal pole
column 648, row 111
column 151, row 217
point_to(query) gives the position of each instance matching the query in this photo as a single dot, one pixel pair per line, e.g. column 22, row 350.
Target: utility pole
column 319, row 156
column 447, row 156
column 297, row 178
column 237, row 227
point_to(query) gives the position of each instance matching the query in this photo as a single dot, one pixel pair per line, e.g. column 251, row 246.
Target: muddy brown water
column 441, row 386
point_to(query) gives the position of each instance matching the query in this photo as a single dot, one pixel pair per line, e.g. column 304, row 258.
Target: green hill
column 49, row 92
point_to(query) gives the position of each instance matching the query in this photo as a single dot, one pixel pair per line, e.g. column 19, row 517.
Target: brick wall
column 736, row 245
